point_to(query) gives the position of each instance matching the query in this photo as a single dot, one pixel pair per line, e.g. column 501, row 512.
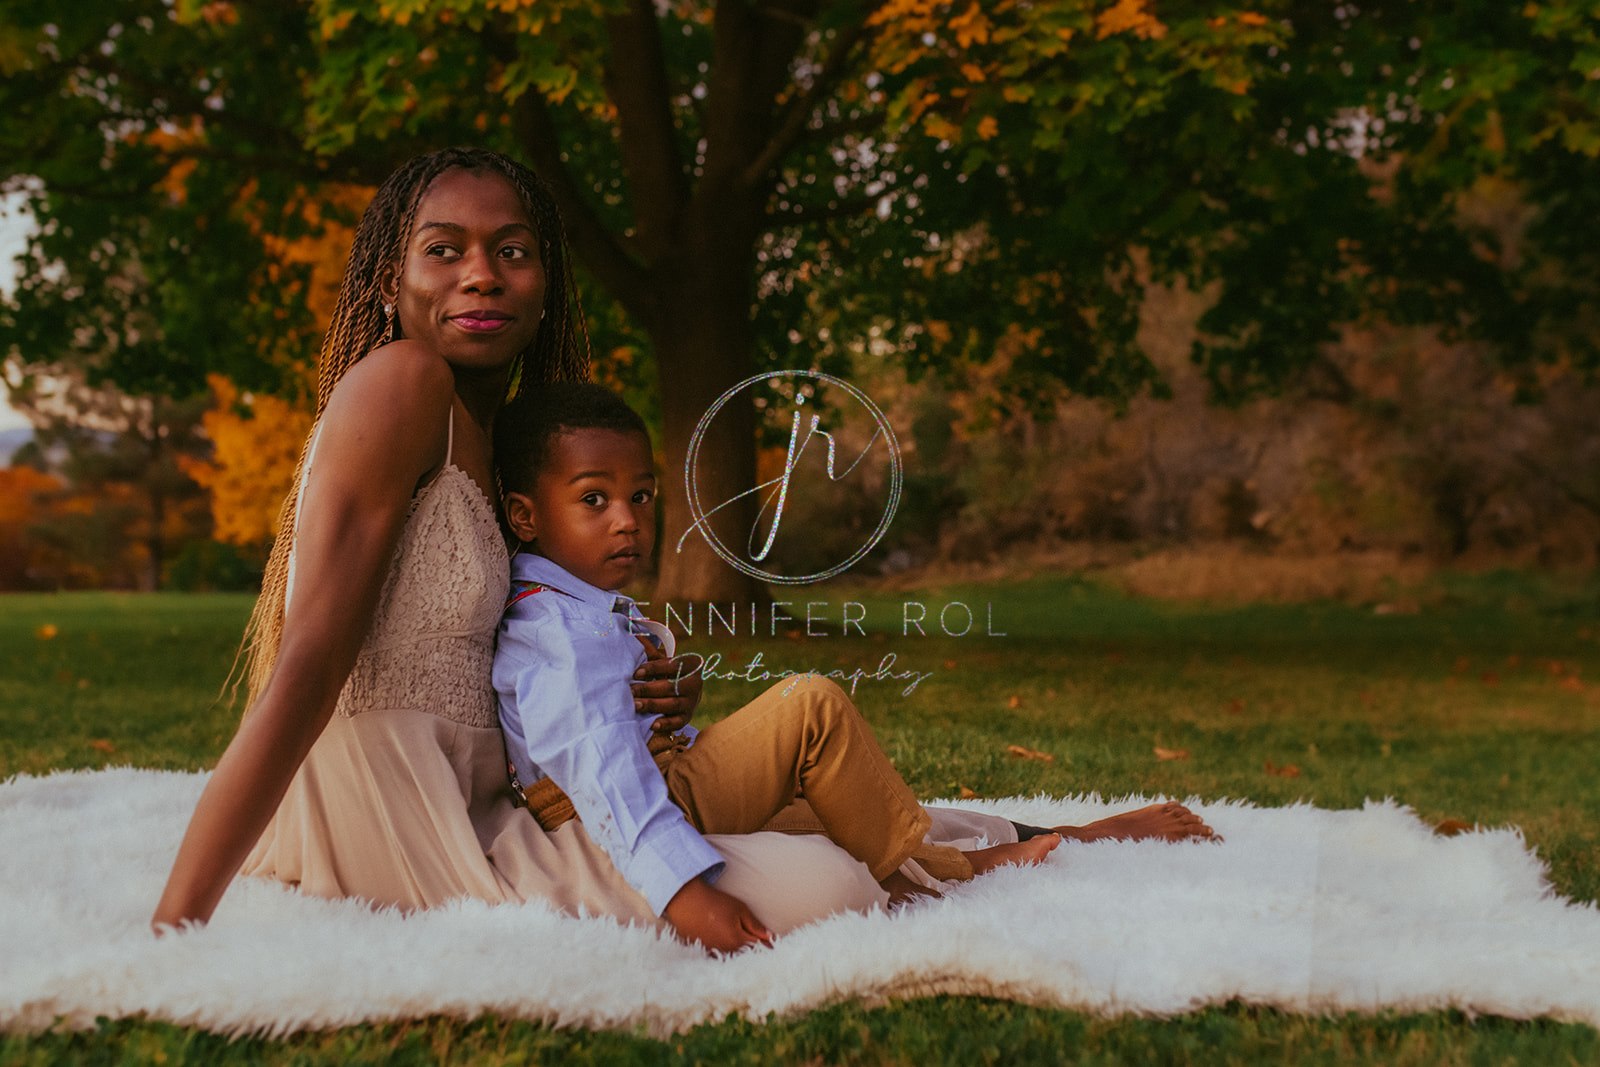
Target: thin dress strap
column 299, row 494
column 450, row 434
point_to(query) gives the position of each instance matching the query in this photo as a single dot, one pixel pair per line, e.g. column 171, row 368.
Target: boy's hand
column 666, row 687
column 719, row 921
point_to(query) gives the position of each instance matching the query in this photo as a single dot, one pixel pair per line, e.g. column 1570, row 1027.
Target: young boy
column 579, row 483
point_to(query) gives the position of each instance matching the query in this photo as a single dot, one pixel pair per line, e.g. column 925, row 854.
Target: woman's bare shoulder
column 394, row 403
column 401, row 372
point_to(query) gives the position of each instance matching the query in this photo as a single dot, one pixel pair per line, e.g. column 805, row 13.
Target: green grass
column 1483, row 708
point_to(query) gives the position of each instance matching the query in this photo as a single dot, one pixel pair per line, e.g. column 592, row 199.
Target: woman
column 369, row 762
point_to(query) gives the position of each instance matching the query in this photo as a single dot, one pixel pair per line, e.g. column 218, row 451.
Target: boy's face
column 593, row 506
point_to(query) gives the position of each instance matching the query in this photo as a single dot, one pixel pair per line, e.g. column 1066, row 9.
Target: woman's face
column 473, row 286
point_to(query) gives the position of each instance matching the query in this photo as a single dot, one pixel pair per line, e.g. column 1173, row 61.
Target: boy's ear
column 519, row 516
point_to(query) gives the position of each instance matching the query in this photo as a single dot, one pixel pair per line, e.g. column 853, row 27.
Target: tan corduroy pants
column 803, row 737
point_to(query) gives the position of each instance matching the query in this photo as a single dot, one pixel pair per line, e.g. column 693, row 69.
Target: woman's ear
column 389, row 284
column 519, row 516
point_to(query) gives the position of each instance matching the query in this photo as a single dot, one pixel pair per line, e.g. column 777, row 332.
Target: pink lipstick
column 481, row 320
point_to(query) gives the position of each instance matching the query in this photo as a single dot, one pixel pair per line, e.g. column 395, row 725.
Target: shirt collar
column 534, row 568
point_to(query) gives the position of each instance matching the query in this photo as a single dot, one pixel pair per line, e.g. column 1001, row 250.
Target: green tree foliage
column 806, row 183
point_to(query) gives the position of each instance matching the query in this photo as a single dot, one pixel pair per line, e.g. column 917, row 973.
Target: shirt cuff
column 666, row 861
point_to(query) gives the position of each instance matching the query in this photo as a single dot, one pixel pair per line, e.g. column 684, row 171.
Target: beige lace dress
column 403, row 799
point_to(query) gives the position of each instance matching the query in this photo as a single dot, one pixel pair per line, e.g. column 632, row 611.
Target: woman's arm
column 383, row 431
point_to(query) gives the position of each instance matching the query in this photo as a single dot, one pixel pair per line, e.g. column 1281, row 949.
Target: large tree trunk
column 704, row 344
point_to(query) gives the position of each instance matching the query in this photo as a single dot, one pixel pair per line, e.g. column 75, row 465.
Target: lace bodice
column 431, row 645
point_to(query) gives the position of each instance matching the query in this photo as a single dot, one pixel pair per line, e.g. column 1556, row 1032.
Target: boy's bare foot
column 1021, row 853
column 903, row 890
column 1167, row 822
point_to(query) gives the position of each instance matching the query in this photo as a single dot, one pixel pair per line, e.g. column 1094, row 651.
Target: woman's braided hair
column 559, row 351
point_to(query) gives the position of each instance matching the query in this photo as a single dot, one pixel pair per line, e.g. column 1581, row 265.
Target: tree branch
column 829, row 132
column 792, row 123
column 187, row 101
column 849, row 207
column 636, row 80
column 593, row 241
column 282, row 152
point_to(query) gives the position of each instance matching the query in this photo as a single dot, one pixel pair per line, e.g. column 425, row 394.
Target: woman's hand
column 718, row 921
column 666, row 687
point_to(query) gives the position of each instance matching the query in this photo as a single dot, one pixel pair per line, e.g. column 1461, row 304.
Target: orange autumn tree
column 255, row 442
column 256, row 437
column 25, row 494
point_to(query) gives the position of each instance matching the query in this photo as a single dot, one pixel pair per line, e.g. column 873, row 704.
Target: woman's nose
column 480, row 272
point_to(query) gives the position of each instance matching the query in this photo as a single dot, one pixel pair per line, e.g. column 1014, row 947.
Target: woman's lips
column 481, row 321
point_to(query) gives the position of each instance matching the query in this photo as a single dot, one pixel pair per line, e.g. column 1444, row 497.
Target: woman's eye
column 514, row 252
column 439, row 250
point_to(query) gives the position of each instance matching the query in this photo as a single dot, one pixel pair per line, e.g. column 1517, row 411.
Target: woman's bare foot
column 903, row 890
column 1021, row 853
column 1166, row 822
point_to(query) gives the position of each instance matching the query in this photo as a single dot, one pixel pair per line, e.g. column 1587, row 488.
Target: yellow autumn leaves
column 255, row 445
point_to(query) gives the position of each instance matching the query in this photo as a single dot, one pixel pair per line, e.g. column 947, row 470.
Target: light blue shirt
column 562, row 668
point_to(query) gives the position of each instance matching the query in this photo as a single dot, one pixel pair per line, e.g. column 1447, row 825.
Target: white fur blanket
column 1302, row 909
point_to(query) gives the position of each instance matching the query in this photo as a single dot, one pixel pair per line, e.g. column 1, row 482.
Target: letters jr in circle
column 776, row 490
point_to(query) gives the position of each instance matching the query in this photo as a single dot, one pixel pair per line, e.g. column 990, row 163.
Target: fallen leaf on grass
column 46, row 631
column 1030, row 753
column 1452, row 827
column 1489, row 678
column 1166, row 754
column 967, row 794
column 1572, row 684
column 100, row 744
column 1013, row 701
column 1235, row 706
column 1288, row 770
column 949, row 664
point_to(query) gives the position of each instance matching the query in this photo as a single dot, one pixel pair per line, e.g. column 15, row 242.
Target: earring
column 388, row 324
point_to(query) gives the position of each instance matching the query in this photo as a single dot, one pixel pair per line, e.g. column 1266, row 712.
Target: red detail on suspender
column 520, row 590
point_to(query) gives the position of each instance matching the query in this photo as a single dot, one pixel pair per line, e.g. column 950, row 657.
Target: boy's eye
column 644, row 496
column 594, row 500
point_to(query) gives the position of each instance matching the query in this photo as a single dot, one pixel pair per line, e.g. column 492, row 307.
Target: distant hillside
column 11, row 440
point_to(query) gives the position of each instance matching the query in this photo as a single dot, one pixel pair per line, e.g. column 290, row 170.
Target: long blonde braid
column 559, row 352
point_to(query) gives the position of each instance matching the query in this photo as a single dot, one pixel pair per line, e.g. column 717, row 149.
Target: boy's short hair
column 524, row 428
